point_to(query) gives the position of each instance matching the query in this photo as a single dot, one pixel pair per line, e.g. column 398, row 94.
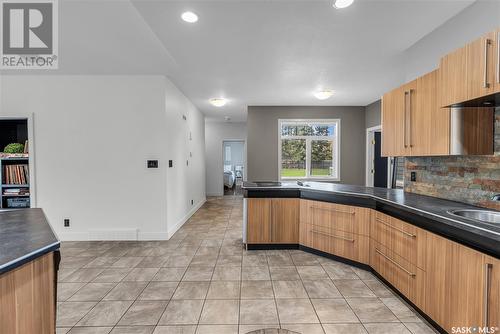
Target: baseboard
column 215, row 194
column 183, row 220
column 128, row 234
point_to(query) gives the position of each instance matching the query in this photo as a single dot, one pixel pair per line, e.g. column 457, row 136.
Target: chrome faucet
column 495, row 197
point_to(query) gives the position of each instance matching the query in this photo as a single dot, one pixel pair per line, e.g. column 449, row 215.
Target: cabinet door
column 285, row 220
column 430, row 124
column 492, row 268
column 453, row 77
column 393, row 124
column 497, row 66
column 454, row 284
column 259, row 220
column 481, row 66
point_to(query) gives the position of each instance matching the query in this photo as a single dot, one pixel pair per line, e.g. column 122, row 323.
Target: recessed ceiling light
column 218, row 102
column 339, row 4
column 189, row 17
column 323, row 94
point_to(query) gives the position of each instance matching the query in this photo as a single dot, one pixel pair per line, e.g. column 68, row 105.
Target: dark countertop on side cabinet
column 25, row 234
column 427, row 212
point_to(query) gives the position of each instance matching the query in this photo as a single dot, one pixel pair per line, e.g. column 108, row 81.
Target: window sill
column 311, row 179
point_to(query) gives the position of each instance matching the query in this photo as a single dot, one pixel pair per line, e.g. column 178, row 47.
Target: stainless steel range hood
column 472, row 131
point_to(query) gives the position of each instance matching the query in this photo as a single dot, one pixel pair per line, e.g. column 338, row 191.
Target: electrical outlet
column 413, row 176
column 170, row 163
column 66, row 222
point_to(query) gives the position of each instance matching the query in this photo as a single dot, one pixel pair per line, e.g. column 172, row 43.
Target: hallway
column 202, row 281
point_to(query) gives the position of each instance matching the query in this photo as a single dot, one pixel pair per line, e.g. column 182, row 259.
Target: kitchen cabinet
column 28, row 297
column 492, row 291
column 412, row 122
column 471, row 72
column 453, row 77
column 273, row 221
column 285, row 220
column 397, row 253
column 336, row 229
column 482, row 63
column 455, row 283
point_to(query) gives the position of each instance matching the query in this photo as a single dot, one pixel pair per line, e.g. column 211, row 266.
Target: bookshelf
column 14, row 176
column 15, row 190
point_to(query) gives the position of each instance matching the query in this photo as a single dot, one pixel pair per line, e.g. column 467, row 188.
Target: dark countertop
column 429, row 213
column 25, row 235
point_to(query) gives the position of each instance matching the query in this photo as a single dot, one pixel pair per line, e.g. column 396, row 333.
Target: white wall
column 470, row 24
column 92, row 137
column 215, row 134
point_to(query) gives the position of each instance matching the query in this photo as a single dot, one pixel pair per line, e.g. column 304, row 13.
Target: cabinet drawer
column 321, row 238
column 351, row 246
column 402, row 274
column 305, row 235
column 337, row 216
column 405, row 240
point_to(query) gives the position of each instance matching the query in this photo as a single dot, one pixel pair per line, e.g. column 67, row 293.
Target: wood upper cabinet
column 412, row 122
column 453, row 77
column 273, row 220
column 393, row 123
column 472, row 71
column 482, row 63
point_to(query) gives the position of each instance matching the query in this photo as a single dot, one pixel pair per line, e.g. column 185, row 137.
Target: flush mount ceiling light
column 323, row 94
column 218, row 102
column 339, row 4
column 189, row 17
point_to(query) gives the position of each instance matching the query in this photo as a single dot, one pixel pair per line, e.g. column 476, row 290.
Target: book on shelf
column 16, row 192
column 13, row 155
column 15, row 174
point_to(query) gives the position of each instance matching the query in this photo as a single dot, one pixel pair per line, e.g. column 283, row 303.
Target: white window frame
column 336, row 151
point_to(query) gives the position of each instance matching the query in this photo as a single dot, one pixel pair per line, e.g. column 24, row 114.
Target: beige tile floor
column 203, row 281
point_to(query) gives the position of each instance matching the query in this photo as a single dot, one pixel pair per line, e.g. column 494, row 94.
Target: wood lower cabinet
column 454, row 285
column 259, row 221
column 456, row 280
column 492, row 291
column 27, row 298
column 285, row 220
column 273, row 221
column 337, row 229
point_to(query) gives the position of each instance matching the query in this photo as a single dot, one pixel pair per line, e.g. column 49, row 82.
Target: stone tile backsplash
column 469, row 179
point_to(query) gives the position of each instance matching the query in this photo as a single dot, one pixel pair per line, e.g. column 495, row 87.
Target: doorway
column 233, row 162
column 377, row 167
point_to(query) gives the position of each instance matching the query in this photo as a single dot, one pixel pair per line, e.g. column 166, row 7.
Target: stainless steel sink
column 483, row 216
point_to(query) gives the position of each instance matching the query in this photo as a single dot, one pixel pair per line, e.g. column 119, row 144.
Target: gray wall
column 373, row 114
column 262, row 140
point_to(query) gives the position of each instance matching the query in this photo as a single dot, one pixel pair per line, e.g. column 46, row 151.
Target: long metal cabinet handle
column 334, row 210
column 487, row 42
column 397, row 229
column 498, row 58
column 487, row 287
column 396, row 264
column 405, row 109
column 409, row 118
column 332, row 235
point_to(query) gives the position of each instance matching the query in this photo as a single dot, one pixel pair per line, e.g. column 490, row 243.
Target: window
column 309, row 149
